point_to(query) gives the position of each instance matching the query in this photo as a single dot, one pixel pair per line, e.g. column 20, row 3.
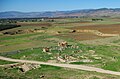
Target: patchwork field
column 87, row 43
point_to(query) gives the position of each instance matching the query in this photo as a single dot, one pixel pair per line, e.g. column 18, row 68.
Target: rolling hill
column 107, row 12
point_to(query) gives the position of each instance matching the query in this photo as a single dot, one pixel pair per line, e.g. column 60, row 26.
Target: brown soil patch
column 72, row 23
column 81, row 36
column 109, row 29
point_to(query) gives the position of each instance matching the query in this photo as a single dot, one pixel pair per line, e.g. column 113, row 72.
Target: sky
column 55, row 5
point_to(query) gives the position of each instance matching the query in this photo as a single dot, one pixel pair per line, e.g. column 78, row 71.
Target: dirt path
column 81, row 67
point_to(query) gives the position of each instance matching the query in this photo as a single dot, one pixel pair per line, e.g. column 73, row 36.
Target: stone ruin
column 63, row 44
column 46, row 49
column 24, row 67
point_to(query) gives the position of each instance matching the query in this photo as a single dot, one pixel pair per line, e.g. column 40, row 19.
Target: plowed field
column 110, row 29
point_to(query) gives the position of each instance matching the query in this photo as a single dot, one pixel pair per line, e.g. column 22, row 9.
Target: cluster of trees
column 97, row 19
column 42, row 19
column 29, row 20
column 35, row 20
column 7, row 21
column 8, row 26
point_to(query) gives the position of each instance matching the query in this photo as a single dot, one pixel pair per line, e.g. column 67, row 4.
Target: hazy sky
column 55, row 5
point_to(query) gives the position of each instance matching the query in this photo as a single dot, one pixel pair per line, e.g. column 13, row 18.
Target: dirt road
column 81, row 67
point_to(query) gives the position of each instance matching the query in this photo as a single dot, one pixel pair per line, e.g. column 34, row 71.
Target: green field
column 52, row 72
column 101, row 52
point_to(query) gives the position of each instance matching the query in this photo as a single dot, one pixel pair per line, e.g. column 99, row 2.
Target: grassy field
column 52, row 72
column 106, row 57
column 5, row 62
column 88, row 48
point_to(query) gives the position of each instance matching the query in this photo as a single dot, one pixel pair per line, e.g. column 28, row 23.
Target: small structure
column 69, row 58
column 72, row 31
column 24, row 68
column 63, row 44
column 27, row 67
column 60, row 59
column 42, row 76
column 46, row 49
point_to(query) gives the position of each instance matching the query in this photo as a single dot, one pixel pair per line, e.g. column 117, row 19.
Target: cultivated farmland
column 75, row 41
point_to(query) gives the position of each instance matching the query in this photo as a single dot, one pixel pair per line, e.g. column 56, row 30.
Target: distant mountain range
column 84, row 12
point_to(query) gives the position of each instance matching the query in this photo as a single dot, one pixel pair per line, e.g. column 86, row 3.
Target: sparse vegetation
column 52, row 72
column 48, row 33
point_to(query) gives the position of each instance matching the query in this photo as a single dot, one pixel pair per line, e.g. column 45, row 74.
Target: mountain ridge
column 82, row 12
